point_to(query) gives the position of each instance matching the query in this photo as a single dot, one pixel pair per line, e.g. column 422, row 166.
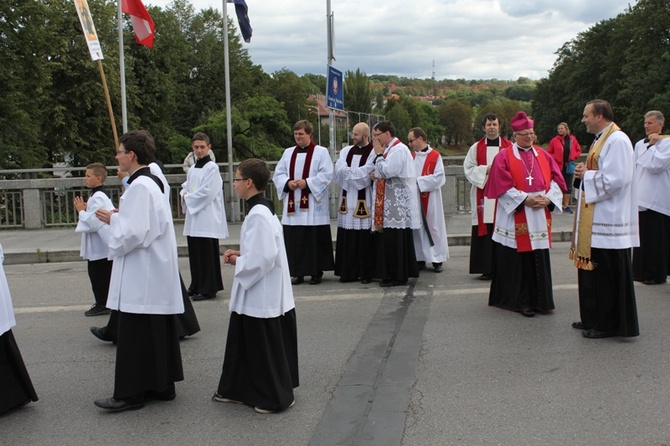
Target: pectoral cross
column 530, row 179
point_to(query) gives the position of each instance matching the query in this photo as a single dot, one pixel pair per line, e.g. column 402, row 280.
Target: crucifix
column 530, row 179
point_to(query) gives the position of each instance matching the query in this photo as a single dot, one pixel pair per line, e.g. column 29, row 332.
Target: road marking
column 326, row 296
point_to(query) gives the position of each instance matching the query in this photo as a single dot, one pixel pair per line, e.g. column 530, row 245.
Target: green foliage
column 316, row 83
column 456, row 117
column 257, row 124
column 625, row 60
column 357, row 94
column 291, row 91
column 53, row 105
column 178, row 147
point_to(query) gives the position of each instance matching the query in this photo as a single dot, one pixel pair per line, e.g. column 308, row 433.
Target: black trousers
column 100, row 273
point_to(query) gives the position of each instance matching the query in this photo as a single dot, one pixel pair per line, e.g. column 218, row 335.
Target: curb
column 39, row 256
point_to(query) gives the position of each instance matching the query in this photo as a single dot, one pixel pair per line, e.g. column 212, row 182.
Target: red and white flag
column 143, row 25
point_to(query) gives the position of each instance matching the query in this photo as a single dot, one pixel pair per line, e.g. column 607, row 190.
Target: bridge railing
column 28, row 201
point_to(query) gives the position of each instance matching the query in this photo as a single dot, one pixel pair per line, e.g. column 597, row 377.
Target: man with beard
column 354, row 254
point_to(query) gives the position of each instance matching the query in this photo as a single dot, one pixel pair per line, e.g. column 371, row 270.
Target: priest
column 430, row 241
column 396, row 207
column 354, row 253
column 476, row 166
column 528, row 185
column 302, row 179
column 606, row 228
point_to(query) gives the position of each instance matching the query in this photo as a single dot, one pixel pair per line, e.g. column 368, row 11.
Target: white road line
column 328, row 296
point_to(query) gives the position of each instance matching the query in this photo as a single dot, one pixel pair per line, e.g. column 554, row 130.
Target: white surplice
column 613, row 188
column 145, row 274
column 432, row 184
column 262, row 284
column 318, row 180
column 202, row 201
column 7, row 320
column 653, row 175
column 352, row 179
column 94, row 233
column 477, row 175
column 508, row 203
column 401, row 198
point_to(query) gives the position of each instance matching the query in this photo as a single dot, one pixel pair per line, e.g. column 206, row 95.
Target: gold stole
column 580, row 252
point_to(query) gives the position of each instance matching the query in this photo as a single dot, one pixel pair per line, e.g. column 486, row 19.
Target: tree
column 357, row 94
column 77, row 122
column 259, row 123
column 456, row 118
column 292, row 91
column 399, row 117
column 24, row 80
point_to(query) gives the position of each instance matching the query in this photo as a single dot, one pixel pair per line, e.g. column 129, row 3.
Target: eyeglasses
column 376, row 134
column 121, row 152
column 411, row 140
column 526, row 135
column 235, row 180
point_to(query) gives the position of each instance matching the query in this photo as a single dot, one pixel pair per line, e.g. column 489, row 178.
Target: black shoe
column 578, row 326
column 421, row 265
column 485, row 277
column 437, row 267
column 99, row 332
column 97, row 310
column 343, row 280
column 366, row 281
column 597, row 334
column 527, row 312
column 191, row 293
column 114, row 405
column 315, row 280
column 198, row 297
column 297, row 280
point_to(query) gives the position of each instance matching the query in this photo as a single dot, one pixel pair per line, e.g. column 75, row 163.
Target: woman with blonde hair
column 565, row 149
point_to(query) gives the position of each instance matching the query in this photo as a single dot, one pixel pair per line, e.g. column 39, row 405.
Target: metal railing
column 30, row 202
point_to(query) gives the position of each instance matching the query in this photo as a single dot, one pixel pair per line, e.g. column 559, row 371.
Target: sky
column 454, row 39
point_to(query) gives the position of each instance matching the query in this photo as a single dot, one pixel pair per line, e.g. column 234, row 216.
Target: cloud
column 471, row 39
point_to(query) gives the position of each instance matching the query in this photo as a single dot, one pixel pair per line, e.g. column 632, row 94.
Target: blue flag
column 243, row 18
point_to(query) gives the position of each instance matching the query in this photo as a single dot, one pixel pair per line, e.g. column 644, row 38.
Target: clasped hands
column 297, row 184
column 230, row 256
column 536, row 201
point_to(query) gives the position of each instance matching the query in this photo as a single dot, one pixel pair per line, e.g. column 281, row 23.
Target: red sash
column 428, row 168
column 304, row 195
column 482, row 161
column 517, row 170
column 380, row 192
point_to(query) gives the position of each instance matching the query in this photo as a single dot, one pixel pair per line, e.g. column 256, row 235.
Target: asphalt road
column 425, row 364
